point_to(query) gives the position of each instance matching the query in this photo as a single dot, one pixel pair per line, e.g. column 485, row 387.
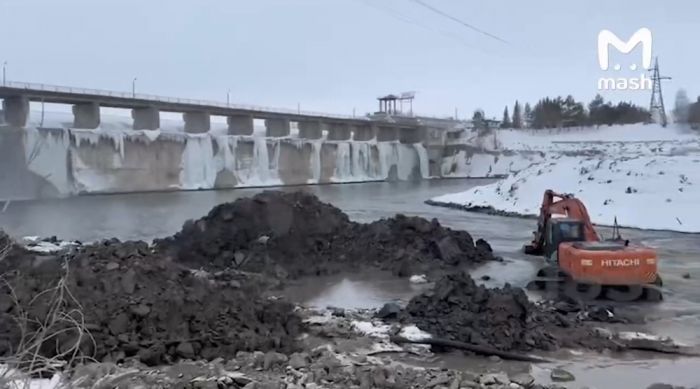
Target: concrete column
column 312, row 129
column 339, row 131
column 240, row 125
column 86, row 115
column 146, row 118
column 410, row 135
column 364, row 132
column 387, row 134
column 196, row 122
column 276, row 127
column 16, row 110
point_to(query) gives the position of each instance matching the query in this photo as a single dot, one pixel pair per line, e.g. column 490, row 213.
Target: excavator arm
column 563, row 204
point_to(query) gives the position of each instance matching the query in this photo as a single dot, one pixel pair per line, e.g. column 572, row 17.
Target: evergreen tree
column 528, row 116
column 478, row 119
column 694, row 114
column 573, row 113
column 506, row 119
column 517, row 116
column 682, row 107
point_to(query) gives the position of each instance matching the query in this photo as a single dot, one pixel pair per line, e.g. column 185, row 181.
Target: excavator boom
column 561, row 204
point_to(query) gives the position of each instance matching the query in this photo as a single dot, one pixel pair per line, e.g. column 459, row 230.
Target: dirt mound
column 503, row 318
column 138, row 303
column 296, row 234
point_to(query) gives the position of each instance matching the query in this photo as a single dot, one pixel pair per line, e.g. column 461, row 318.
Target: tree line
column 686, row 112
column 567, row 112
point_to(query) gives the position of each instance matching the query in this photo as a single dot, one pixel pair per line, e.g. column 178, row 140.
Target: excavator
column 587, row 267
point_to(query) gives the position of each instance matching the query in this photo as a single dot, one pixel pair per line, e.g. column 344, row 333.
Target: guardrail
column 164, row 99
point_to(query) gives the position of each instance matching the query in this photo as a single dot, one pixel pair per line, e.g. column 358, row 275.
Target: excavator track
column 554, row 281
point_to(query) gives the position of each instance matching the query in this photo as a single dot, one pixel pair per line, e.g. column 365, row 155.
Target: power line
column 403, row 18
column 465, row 24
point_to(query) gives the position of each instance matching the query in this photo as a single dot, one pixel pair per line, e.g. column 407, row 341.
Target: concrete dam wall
column 41, row 162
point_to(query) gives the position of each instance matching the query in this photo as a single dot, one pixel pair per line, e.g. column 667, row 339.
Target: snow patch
column 375, row 329
column 414, row 333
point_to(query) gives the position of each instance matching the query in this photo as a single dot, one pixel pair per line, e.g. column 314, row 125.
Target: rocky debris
column 561, row 375
column 323, row 368
column 389, row 311
column 137, row 303
column 304, row 236
column 501, row 318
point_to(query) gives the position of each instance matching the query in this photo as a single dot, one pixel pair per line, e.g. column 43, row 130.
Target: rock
column 389, row 311
column 494, row 358
column 603, row 333
column 273, row 359
column 339, row 312
column 523, row 379
column 128, row 283
column 686, row 276
column 494, row 378
column 185, row 350
column 448, row 250
column 119, row 324
column 112, row 266
column 468, row 384
column 298, row 360
column 439, row 380
column 153, row 355
column 485, row 277
column 140, row 310
column 561, row 375
column 514, row 385
column 484, row 245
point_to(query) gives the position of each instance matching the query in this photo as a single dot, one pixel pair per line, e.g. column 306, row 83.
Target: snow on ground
column 650, row 184
column 13, row 379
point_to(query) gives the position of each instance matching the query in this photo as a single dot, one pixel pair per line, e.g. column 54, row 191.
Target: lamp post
column 133, row 87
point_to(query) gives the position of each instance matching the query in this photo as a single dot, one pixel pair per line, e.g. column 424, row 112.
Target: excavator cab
column 559, row 230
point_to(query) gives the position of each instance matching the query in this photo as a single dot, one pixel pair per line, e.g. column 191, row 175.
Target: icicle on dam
column 46, row 154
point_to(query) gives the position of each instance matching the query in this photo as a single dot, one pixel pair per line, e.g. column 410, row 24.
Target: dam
column 83, row 151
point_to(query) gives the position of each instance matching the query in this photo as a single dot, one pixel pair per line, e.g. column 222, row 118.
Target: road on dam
column 145, row 216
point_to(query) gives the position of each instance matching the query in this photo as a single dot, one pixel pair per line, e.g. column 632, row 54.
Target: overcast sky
column 336, row 55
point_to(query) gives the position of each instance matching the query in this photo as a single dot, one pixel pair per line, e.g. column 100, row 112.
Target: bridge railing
column 165, row 99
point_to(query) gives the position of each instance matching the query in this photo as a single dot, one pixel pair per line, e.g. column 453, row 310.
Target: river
column 145, row 216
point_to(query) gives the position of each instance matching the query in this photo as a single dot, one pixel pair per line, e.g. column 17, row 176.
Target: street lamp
column 133, row 87
column 4, row 73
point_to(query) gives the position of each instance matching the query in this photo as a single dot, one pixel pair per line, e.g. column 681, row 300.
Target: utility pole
column 656, row 106
column 4, row 73
column 299, row 108
column 133, row 87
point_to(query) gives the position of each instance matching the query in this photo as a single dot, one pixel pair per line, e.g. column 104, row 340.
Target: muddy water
column 146, row 216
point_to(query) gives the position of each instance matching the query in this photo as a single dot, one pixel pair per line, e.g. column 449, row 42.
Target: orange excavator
column 587, row 266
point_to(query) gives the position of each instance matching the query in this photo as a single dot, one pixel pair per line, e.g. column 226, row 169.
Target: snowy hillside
column 644, row 182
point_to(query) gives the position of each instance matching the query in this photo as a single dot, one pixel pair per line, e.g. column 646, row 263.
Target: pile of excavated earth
column 502, row 318
column 193, row 296
column 200, row 295
column 295, row 234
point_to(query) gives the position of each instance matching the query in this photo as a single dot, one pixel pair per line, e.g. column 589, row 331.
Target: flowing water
column 151, row 215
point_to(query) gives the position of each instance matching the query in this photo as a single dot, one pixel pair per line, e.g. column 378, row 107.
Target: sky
column 340, row 55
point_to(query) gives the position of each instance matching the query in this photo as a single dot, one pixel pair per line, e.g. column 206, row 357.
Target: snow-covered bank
column 649, row 184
